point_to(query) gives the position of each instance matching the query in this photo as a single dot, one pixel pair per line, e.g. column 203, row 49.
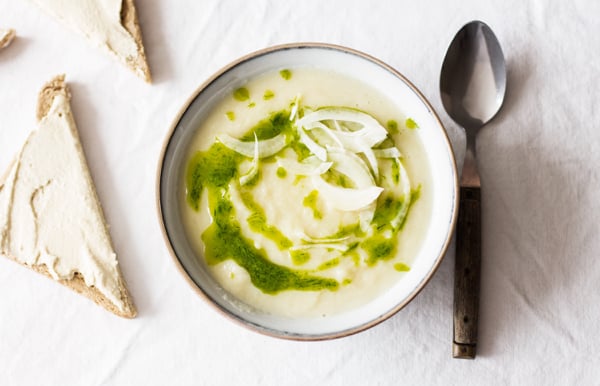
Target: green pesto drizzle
column 300, row 149
column 388, row 208
column 251, row 105
column 275, row 124
column 411, row 124
column 334, row 177
column 310, row 201
column 352, row 252
column 396, row 171
column 346, row 231
column 329, row 264
column 300, row 256
column 223, row 240
column 281, row 172
column 389, row 211
column 213, row 168
column 415, row 194
column 379, row 248
column 401, row 267
column 298, row 179
column 241, row 94
column 268, row 95
column 230, row 115
column 286, row 74
column 258, row 221
column 392, row 126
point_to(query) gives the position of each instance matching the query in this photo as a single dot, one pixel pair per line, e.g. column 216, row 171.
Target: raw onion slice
column 366, row 216
column 326, row 130
column 314, row 147
column 253, row 171
column 390, row 152
column 351, row 166
column 337, row 246
column 370, row 156
column 372, row 131
column 346, row 199
column 266, row 147
column 355, row 168
column 358, row 141
column 295, row 107
column 406, row 196
column 315, row 240
column 309, row 167
column 404, row 180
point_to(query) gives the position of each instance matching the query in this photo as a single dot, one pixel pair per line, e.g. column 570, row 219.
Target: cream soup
column 307, row 193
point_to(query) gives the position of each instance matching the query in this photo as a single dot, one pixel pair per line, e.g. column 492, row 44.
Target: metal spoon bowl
column 472, row 86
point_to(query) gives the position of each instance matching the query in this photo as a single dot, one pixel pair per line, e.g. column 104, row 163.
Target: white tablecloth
column 539, row 161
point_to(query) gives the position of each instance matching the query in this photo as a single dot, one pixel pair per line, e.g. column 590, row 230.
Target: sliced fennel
column 341, row 140
column 338, row 246
column 319, row 151
column 312, row 240
column 253, row 171
column 371, row 129
column 318, row 126
column 366, row 216
column 390, row 152
column 346, row 199
column 352, row 166
column 266, row 147
column 406, row 196
column 309, row 167
column 370, row 133
column 295, row 107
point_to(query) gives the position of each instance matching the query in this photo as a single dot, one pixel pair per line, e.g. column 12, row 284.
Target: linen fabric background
column 540, row 298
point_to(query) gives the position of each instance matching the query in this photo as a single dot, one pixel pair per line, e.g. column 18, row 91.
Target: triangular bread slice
column 50, row 216
column 111, row 25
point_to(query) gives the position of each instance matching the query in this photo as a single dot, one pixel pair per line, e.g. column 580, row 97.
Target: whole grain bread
column 77, row 283
column 129, row 20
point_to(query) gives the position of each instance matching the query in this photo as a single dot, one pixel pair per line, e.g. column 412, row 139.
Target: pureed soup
column 306, row 193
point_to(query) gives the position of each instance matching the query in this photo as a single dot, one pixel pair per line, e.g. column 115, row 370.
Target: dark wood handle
column 467, row 272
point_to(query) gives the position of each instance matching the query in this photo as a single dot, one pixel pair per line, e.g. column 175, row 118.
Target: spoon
column 472, row 85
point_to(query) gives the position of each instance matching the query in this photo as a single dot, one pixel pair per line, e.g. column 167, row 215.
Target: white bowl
column 347, row 62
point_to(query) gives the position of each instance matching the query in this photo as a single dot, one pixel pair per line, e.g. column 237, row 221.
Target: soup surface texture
column 306, row 193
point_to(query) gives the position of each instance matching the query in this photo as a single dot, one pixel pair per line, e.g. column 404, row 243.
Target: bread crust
column 77, row 283
column 130, row 22
column 7, row 38
column 46, row 95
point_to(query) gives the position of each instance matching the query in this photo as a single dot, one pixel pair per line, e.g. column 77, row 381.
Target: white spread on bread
column 100, row 22
column 49, row 211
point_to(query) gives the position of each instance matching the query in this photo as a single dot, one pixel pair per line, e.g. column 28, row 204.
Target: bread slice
column 50, row 218
column 111, row 25
column 6, row 37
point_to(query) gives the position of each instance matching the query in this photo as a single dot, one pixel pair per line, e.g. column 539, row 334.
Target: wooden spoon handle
column 467, row 272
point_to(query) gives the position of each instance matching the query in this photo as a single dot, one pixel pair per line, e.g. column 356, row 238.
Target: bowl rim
column 269, row 331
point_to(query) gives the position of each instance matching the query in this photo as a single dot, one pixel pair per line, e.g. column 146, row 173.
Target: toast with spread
column 50, row 217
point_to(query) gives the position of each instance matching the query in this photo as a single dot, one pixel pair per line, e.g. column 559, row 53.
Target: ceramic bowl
column 351, row 63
